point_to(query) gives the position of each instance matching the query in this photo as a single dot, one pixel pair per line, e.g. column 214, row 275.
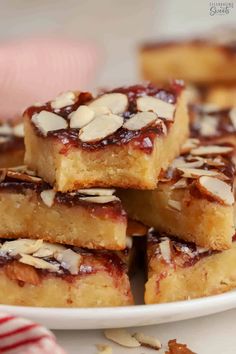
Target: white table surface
column 215, row 334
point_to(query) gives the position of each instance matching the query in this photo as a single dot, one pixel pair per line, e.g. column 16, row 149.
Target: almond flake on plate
column 18, row 130
column 100, row 199
column 217, row 189
column 161, row 108
column 100, row 127
column 174, row 204
column 38, row 263
column 121, row 337
column 81, row 117
column 211, row 150
column 117, row 103
column 63, row 100
column 165, row 250
column 46, row 122
column 232, row 116
column 195, row 173
column 97, row 191
column 148, row 341
column 48, row 196
column 140, row 120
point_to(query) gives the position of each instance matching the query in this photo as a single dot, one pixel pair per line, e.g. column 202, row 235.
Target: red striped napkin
column 21, row 336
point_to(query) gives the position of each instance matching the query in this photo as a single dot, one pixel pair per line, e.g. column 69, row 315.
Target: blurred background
column 113, row 29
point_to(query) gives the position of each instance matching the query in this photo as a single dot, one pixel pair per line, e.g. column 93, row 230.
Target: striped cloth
column 21, row 336
column 37, row 69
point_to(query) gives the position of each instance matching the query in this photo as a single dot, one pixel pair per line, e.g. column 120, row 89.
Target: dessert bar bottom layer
column 212, row 274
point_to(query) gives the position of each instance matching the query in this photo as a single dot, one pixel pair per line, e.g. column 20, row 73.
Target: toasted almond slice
column 39, row 263
column 99, row 110
column 122, row 337
column 69, row 260
column 232, row 116
column 97, row 191
column 100, row 127
column 18, row 130
column 161, row 108
column 48, row 197
column 202, row 249
column 148, row 341
column 140, row 120
column 180, row 162
column 4, row 139
column 215, row 162
column 5, row 129
column 22, row 245
column 211, row 150
column 81, row 117
column 104, row 349
column 100, row 199
column 117, row 103
column 23, row 177
column 208, row 125
column 174, row 204
column 217, row 189
column 195, row 173
column 181, row 183
column 189, row 145
column 48, row 250
column 63, row 100
column 165, row 250
column 48, row 122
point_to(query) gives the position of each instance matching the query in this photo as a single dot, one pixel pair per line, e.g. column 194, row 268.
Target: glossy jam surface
column 141, row 139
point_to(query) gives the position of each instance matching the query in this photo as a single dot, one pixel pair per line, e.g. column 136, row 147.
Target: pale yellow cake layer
column 211, row 275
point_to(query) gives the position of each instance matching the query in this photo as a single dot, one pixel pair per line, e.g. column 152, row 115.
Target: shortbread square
column 195, row 198
column 41, row 274
column 122, row 138
column 92, row 218
column 182, row 271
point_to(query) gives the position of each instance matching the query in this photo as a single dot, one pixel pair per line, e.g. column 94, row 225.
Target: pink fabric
column 37, row 69
column 21, row 336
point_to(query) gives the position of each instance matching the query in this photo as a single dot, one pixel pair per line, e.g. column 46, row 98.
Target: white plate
column 140, row 315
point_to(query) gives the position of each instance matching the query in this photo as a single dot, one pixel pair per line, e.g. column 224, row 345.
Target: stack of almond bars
column 152, row 153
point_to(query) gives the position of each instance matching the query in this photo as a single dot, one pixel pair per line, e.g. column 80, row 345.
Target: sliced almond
column 195, row 173
column 140, row 120
column 63, row 100
column 161, row 108
column 189, row 145
column 117, row 103
column 99, row 110
column 69, row 260
column 121, row 337
column 4, row 139
column 18, row 130
column 48, row 250
column 215, row 162
column 39, row 263
column 181, row 162
column 232, row 116
column 48, row 122
column 104, row 349
column 48, row 197
column 22, row 245
column 148, row 341
column 100, row 199
column 211, row 150
column 23, row 177
column 97, row 191
column 5, row 129
column 100, row 127
column 174, row 204
column 165, row 250
column 208, row 125
column 81, row 117
column 217, row 189
column 202, row 249
column 181, row 183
